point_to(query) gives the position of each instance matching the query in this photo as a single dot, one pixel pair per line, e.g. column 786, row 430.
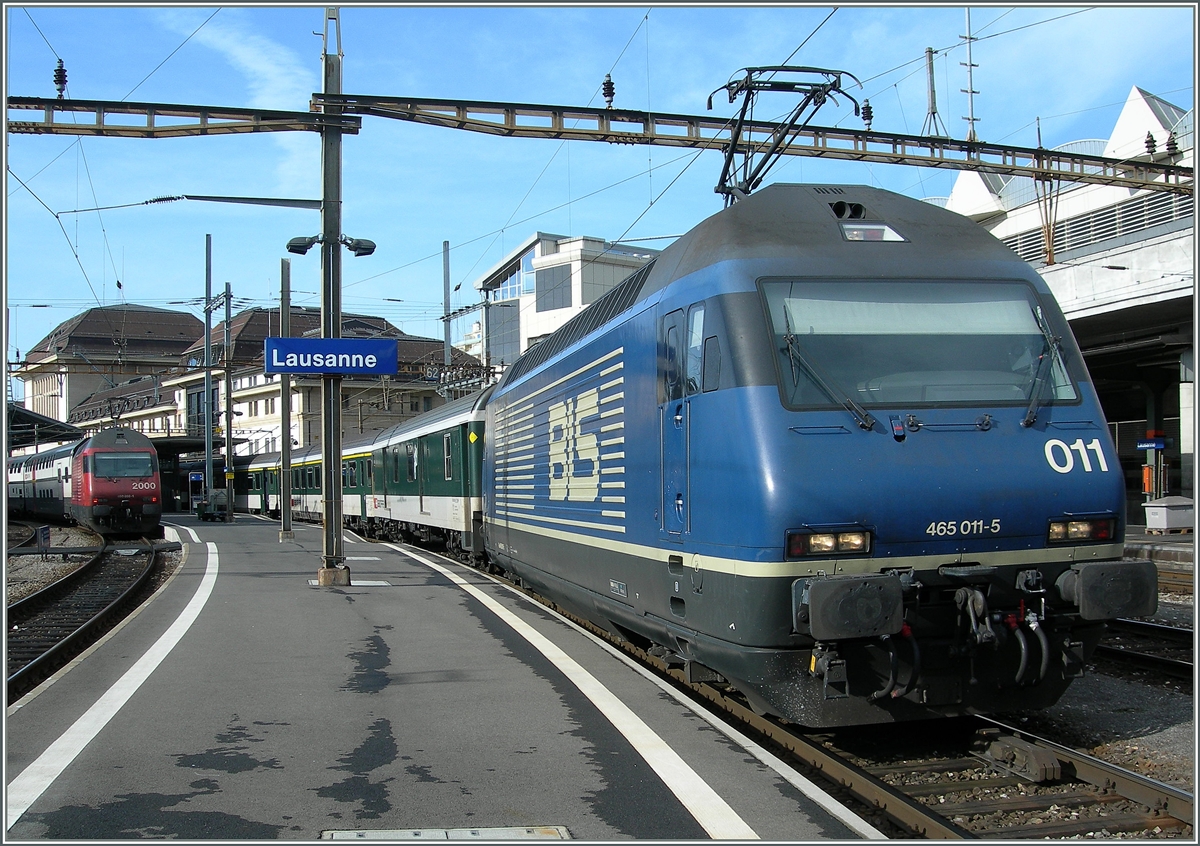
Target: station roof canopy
column 27, row 428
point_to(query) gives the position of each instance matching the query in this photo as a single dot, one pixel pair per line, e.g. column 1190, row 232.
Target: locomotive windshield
column 122, row 465
column 914, row 344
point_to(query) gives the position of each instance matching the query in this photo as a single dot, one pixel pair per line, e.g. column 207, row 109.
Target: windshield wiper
column 831, row 388
column 1051, row 349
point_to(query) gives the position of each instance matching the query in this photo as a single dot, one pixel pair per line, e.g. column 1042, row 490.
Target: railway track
column 971, row 778
column 1166, row 650
column 46, row 629
column 1173, row 580
column 20, row 533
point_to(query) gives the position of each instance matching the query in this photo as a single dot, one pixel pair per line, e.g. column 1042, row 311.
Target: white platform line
column 709, row 809
column 25, row 789
column 171, row 532
column 809, row 788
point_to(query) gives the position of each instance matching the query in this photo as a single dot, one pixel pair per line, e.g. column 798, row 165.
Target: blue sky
column 410, row 187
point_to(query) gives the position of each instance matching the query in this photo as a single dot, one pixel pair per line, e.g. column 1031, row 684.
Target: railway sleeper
column 1028, row 802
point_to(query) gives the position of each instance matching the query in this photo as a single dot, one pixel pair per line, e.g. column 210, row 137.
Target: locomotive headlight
column 1073, row 531
column 818, row 544
column 852, row 542
column 801, row 544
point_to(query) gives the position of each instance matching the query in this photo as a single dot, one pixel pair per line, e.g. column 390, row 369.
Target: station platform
column 1172, row 548
column 424, row 701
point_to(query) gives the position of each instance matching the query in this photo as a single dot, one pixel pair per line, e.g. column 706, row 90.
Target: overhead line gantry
column 614, row 126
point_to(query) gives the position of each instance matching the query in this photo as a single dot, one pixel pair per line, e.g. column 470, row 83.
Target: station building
column 100, row 348
column 1121, row 264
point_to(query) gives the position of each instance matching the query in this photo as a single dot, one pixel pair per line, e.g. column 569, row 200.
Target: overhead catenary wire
column 168, row 58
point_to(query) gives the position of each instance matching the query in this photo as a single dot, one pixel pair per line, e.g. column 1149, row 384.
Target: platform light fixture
column 358, row 246
column 302, row 245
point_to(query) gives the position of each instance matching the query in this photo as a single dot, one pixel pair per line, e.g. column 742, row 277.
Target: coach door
column 424, row 465
column 673, row 426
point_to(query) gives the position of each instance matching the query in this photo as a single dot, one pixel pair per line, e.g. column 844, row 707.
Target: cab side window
column 695, row 346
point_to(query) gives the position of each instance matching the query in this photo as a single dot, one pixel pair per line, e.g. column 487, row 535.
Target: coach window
column 395, row 464
column 370, row 470
column 695, row 344
column 448, row 456
column 411, row 451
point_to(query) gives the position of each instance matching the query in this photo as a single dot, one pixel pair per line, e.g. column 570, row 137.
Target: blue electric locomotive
column 835, row 446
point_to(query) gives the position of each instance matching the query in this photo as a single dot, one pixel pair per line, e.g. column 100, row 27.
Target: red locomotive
column 109, row 483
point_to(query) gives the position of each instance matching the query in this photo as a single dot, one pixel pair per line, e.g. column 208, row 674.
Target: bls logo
column 574, row 456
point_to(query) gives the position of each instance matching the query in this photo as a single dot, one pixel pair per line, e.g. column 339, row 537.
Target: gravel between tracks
column 27, row 574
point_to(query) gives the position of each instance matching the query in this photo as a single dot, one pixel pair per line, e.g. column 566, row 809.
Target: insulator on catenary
column 867, row 114
column 60, row 78
column 608, row 89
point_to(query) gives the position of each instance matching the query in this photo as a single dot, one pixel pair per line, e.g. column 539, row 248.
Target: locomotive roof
column 119, row 437
column 784, row 223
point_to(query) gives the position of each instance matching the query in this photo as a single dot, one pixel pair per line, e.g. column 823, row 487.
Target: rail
column 81, row 605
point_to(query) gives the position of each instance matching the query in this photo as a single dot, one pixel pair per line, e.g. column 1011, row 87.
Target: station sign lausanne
column 342, row 356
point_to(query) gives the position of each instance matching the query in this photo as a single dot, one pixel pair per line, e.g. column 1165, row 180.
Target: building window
column 528, row 276
column 510, row 286
column 522, row 279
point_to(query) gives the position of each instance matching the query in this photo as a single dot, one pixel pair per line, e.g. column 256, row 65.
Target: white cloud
column 275, row 77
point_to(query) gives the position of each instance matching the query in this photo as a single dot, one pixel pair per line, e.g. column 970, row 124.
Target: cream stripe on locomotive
column 796, row 569
column 556, row 455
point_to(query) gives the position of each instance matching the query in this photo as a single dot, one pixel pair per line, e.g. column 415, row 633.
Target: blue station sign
column 1151, row 443
column 342, row 356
